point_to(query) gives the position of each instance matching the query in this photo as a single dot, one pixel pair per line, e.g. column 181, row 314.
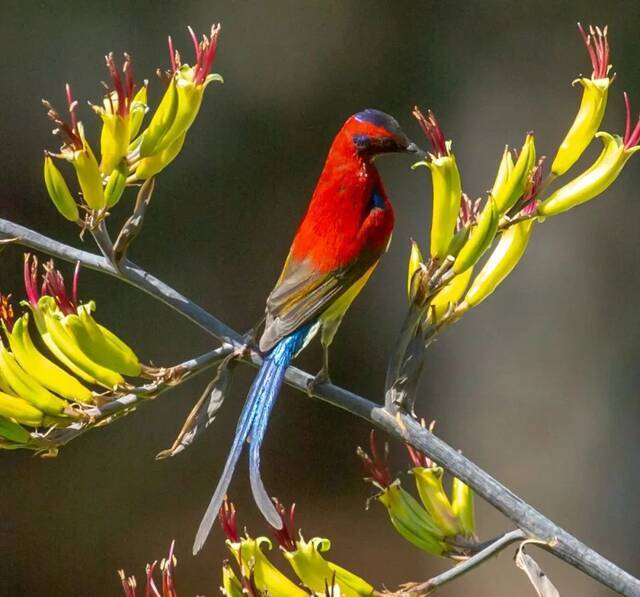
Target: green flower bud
column 508, row 252
column 231, row 586
column 59, row 191
column 115, row 186
column 595, row 180
column 480, row 237
column 317, row 573
column 411, row 520
column 462, row 503
column 10, row 430
column 512, row 187
column 435, row 500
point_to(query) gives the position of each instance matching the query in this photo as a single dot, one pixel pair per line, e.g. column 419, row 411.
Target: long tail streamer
column 253, row 423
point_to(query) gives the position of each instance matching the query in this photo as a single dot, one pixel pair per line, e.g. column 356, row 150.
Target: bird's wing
column 302, row 294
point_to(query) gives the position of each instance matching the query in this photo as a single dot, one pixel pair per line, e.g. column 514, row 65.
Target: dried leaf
column 540, row 581
column 133, row 225
column 205, row 410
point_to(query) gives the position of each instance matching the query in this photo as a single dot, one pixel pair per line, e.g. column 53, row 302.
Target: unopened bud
column 415, row 260
column 434, row 498
column 593, row 181
column 508, row 252
column 480, row 238
column 513, row 186
column 59, row 191
column 115, row 186
column 411, row 520
column 462, row 503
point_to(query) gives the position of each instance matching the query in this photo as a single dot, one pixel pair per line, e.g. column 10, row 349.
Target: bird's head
column 373, row 132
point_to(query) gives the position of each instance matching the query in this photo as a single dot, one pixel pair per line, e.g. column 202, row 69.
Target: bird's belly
column 340, row 306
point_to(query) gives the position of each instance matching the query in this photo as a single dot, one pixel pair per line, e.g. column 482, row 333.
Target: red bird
column 342, row 236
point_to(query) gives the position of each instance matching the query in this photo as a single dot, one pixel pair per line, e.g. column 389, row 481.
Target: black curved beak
column 413, row 149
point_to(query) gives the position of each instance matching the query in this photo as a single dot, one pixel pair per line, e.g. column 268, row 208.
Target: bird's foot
column 321, row 378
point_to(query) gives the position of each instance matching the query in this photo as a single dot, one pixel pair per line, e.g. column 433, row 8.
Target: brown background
column 539, row 385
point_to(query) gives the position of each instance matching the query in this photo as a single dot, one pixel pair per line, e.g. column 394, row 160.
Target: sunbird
column 345, row 231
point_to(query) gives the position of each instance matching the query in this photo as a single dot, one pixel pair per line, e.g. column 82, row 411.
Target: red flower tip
column 432, row 130
column 534, row 183
column 631, row 137
column 6, row 311
column 418, row 459
column 227, row 517
column 284, row 536
column 376, row 465
column 53, row 285
column 30, row 273
column 123, row 85
column 68, row 132
column 469, row 211
column 167, row 566
column 204, row 53
column 597, row 46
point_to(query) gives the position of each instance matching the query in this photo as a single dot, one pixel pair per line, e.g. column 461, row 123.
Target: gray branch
column 400, row 426
column 433, row 584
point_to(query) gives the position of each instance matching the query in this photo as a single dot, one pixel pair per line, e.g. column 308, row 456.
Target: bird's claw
column 321, row 378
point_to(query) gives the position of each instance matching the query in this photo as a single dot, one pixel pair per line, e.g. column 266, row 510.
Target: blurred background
column 539, row 385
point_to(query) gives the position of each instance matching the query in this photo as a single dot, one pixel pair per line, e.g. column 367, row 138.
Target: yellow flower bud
column 462, row 503
column 480, row 238
column 88, row 173
column 450, row 294
column 434, row 498
column 59, row 191
column 150, row 166
column 161, row 121
column 447, row 193
column 138, row 109
column 411, row 520
column 114, row 139
column 593, row 104
column 504, row 171
column 595, row 180
column 190, row 96
column 512, row 188
column 585, row 125
column 252, row 560
column 508, row 252
column 78, row 153
column 317, row 573
column 447, row 189
column 415, row 259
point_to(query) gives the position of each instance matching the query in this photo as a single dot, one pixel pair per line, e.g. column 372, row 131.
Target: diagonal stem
column 400, row 426
column 433, row 584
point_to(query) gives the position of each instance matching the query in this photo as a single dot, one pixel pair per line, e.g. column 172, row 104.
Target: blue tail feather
column 253, row 421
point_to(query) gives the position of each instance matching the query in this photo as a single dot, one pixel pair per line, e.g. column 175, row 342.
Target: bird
column 344, row 232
